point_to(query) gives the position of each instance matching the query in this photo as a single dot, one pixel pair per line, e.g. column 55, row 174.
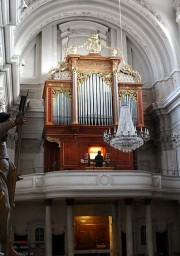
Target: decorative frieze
column 176, row 138
column 2, row 105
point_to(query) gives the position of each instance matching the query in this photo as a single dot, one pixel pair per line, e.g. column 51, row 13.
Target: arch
column 146, row 28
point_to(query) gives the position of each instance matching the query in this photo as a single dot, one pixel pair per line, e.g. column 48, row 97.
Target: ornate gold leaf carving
column 93, row 45
column 127, row 69
column 66, row 91
column 61, row 66
column 52, row 139
column 95, row 64
column 82, row 75
column 131, row 93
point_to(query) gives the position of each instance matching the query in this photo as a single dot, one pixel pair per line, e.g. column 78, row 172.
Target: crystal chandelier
column 126, row 138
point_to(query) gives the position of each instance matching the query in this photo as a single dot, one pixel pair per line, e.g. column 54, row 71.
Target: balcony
column 107, row 184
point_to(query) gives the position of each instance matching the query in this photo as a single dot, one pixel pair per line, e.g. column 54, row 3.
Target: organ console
column 82, row 98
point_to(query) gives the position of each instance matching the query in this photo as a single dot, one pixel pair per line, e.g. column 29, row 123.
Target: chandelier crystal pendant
column 127, row 138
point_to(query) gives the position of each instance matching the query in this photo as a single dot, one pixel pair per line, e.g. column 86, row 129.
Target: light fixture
column 127, row 137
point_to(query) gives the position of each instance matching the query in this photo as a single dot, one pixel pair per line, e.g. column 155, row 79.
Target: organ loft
column 83, row 97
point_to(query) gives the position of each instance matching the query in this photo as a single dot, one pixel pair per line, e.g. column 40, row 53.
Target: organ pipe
column 95, row 102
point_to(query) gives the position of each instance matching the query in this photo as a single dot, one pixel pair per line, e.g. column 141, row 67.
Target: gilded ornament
column 52, row 139
column 61, row 66
column 131, row 93
column 82, row 75
column 127, row 69
column 93, row 45
column 66, row 91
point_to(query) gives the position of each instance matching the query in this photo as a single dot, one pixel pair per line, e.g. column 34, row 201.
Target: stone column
column 70, row 228
column 129, row 229
column 149, row 228
column 48, row 228
column 114, row 230
column 116, row 227
column 119, row 243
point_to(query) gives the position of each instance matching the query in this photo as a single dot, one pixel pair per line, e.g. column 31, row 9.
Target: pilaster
column 129, row 228
column 48, row 227
column 70, row 228
column 149, row 228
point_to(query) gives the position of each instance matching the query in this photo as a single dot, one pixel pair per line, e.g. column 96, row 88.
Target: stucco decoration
column 145, row 5
column 141, row 7
column 176, row 138
column 2, row 105
column 82, row 13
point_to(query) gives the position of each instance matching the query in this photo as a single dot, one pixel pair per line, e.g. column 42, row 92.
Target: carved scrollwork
column 2, row 105
column 131, row 93
column 95, row 64
column 93, row 45
column 66, row 91
column 175, row 136
column 60, row 68
column 52, row 139
column 82, row 75
column 127, row 69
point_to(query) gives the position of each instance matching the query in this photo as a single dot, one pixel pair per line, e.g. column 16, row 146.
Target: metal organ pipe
column 132, row 106
column 95, row 102
column 61, row 109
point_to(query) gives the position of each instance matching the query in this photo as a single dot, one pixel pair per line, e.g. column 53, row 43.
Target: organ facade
column 83, row 97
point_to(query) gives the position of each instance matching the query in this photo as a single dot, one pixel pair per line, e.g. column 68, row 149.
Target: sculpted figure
column 8, row 178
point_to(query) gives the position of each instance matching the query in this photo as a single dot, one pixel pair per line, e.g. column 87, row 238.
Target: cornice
column 175, row 95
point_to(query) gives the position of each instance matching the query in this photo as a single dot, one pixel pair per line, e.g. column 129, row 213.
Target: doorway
column 92, row 233
column 162, row 243
column 58, row 247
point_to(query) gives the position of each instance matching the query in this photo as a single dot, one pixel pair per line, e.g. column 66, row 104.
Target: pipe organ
column 82, row 98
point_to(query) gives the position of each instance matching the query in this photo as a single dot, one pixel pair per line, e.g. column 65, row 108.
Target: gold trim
column 94, row 64
column 127, row 69
column 52, row 139
column 83, row 75
column 93, row 45
column 131, row 93
column 66, row 91
column 61, row 66
column 59, row 84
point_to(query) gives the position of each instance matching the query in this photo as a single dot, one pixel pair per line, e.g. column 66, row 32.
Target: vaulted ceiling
column 150, row 39
column 145, row 31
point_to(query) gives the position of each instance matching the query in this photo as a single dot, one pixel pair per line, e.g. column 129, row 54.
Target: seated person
column 99, row 159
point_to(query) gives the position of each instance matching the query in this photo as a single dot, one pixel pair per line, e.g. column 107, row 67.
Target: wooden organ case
column 82, row 99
